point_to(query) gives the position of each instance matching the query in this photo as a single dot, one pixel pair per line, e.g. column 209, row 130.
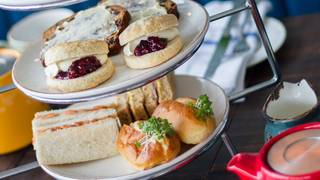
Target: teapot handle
column 245, row 165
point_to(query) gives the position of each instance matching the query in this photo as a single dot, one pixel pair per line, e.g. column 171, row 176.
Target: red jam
column 150, row 45
column 80, row 68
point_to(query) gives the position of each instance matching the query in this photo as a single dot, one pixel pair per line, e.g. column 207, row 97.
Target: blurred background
column 281, row 9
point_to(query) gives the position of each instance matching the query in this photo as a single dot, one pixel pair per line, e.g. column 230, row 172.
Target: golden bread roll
column 190, row 128
column 142, row 151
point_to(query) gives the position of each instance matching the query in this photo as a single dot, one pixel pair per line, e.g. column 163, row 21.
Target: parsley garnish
column 157, row 128
column 202, row 107
column 137, row 144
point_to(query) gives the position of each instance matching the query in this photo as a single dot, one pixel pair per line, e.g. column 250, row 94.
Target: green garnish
column 157, row 128
column 202, row 107
column 137, row 144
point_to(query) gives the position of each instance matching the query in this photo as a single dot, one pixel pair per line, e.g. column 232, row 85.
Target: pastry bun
column 155, row 58
column 190, row 129
column 85, row 82
column 147, row 26
column 145, row 157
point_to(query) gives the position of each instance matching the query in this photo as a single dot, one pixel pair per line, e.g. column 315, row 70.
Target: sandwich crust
column 76, row 49
column 85, row 82
column 146, row 26
column 155, row 58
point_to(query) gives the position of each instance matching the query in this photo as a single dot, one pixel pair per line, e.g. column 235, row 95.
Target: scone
column 143, row 8
column 103, row 23
column 151, row 41
column 75, row 135
column 193, row 120
column 77, row 66
column 146, row 144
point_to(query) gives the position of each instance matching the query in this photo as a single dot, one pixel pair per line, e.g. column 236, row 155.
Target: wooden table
column 298, row 58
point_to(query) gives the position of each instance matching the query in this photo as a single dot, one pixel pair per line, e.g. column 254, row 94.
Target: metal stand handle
column 18, row 170
column 252, row 6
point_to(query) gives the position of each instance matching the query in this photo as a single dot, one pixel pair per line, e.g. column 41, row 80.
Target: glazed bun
column 190, row 129
column 155, row 58
column 145, row 156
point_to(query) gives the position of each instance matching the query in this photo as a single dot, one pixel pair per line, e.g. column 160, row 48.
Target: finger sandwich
column 75, row 135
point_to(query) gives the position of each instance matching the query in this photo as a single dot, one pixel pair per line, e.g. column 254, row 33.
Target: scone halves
column 75, row 135
column 79, row 65
column 151, row 41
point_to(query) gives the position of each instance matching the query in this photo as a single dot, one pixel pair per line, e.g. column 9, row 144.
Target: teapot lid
column 297, row 153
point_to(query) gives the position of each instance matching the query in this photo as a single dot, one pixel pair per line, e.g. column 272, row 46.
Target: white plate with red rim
column 118, row 168
column 30, row 78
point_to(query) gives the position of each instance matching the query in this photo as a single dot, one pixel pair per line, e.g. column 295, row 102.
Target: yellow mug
column 16, row 113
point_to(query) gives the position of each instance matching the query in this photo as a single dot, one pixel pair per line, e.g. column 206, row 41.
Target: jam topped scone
column 79, row 65
column 151, row 41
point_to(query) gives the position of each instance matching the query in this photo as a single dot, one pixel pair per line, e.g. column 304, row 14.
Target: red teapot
column 293, row 154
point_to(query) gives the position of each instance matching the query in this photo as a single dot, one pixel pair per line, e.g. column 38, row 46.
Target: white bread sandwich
column 150, row 97
column 165, row 88
column 143, row 8
column 103, row 23
column 75, row 135
column 151, row 41
column 78, row 65
column 136, row 103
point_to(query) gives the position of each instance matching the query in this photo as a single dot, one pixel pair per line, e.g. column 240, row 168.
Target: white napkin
column 230, row 74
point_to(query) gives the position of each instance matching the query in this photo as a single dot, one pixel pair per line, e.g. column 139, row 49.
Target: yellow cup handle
column 7, row 88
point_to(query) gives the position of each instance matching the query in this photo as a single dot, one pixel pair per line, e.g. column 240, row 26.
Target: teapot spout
column 245, row 165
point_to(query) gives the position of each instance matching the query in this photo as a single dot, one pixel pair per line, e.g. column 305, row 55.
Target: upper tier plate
column 29, row 76
column 25, row 5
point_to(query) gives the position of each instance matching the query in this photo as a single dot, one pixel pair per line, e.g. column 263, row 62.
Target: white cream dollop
column 94, row 23
column 168, row 34
column 140, row 8
column 53, row 69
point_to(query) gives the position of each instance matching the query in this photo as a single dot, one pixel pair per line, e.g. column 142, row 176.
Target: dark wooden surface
column 298, row 58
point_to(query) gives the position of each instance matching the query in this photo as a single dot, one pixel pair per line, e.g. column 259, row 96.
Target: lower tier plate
column 118, row 168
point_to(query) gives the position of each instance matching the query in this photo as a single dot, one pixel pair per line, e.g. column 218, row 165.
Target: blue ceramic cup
column 289, row 104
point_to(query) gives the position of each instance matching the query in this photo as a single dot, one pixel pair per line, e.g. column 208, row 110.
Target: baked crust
column 169, row 5
column 145, row 157
column 73, row 50
column 85, row 82
column 122, row 19
column 190, row 129
column 155, row 58
column 146, row 26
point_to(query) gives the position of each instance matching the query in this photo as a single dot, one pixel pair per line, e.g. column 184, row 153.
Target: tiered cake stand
column 250, row 5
